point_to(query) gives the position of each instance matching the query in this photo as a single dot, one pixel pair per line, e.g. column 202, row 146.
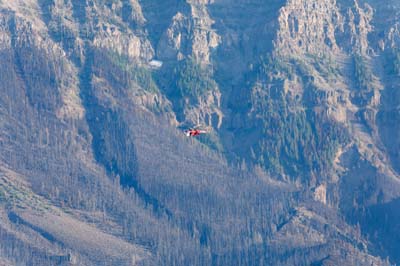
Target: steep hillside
column 301, row 166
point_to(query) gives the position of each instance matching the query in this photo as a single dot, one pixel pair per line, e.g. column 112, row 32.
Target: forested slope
column 301, row 166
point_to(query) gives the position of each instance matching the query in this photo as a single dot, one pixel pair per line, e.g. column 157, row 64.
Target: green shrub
column 362, row 73
column 192, row 80
column 294, row 142
column 144, row 78
column 136, row 73
column 392, row 65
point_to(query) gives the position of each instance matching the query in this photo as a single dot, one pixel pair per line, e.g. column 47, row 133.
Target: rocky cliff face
column 302, row 160
column 324, row 78
column 333, row 64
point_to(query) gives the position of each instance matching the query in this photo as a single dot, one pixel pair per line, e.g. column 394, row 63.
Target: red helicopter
column 193, row 132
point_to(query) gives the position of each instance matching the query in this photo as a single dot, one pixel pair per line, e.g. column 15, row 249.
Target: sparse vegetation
column 193, row 80
column 271, row 65
column 393, row 62
column 294, row 142
column 362, row 73
column 141, row 75
column 325, row 66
